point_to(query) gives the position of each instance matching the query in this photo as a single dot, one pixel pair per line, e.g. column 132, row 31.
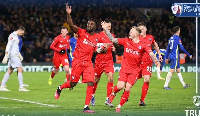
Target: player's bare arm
column 155, row 60
column 69, row 19
column 156, row 47
column 105, row 27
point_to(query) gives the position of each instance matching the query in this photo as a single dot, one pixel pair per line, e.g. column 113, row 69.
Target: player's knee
column 56, row 71
column 119, row 86
column 72, row 84
column 146, row 79
column 90, row 83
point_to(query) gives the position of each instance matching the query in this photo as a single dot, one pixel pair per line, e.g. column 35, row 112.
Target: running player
column 59, row 45
column 14, row 58
column 146, row 64
column 104, row 62
column 172, row 56
column 82, row 64
column 134, row 48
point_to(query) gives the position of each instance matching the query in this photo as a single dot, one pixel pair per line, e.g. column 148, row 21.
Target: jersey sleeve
column 10, row 43
column 153, row 40
column 122, row 41
column 53, row 45
column 167, row 51
column 181, row 46
column 80, row 32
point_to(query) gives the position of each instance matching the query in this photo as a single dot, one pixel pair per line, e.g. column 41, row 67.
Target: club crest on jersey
column 149, row 39
column 11, row 38
column 128, row 44
column 140, row 47
column 96, row 39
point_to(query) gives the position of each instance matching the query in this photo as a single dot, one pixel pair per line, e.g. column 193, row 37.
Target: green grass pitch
column 159, row 102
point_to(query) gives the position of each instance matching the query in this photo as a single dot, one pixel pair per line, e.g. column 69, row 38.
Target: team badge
column 140, row 47
column 196, row 100
column 11, row 38
column 96, row 39
column 149, row 39
column 72, row 77
column 128, row 44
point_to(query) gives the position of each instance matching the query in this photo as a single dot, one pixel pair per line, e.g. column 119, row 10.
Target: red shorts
column 128, row 77
column 57, row 60
column 146, row 68
column 100, row 67
column 84, row 68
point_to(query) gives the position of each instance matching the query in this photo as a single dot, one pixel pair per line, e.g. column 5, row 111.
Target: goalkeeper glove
column 62, row 51
column 21, row 57
column 5, row 59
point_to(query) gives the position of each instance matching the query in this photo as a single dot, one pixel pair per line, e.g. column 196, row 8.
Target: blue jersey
column 172, row 52
column 72, row 48
column 162, row 52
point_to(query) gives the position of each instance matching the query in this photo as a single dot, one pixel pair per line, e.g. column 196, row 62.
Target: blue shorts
column 174, row 63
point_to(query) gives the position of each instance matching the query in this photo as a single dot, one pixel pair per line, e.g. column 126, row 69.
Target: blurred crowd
column 43, row 19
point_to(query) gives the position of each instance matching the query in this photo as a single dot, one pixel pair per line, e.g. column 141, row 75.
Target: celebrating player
column 130, row 68
column 14, row 58
column 172, row 56
column 59, row 45
column 82, row 64
column 162, row 52
column 104, row 62
column 146, row 64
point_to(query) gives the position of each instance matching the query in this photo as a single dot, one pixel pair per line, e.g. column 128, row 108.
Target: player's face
column 21, row 33
column 109, row 26
column 143, row 30
column 91, row 26
column 133, row 33
column 64, row 32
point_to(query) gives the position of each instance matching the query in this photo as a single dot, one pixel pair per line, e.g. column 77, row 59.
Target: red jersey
column 149, row 40
column 60, row 43
column 104, row 57
column 132, row 54
column 85, row 45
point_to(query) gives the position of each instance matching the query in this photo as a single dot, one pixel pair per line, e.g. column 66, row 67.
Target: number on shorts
column 149, row 68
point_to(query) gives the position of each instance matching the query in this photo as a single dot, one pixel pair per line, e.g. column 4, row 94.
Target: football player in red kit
column 147, row 63
column 130, row 68
column 104, row 62
column 59, row 45
column 82, row 64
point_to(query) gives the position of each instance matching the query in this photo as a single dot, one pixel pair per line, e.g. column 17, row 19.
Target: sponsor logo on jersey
column 132, row 51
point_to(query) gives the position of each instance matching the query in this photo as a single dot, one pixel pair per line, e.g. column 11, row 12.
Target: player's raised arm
column 69, row 19
column 105, row 27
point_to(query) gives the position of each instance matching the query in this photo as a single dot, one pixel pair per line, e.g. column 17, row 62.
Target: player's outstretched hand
column 68, row 8
column 167, row 61
column 104, row 25
column 191, row 57
column 5, row 59
column 21, row 57
column 62, row 51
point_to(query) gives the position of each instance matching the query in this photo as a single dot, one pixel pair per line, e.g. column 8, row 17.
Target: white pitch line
column 29, row 102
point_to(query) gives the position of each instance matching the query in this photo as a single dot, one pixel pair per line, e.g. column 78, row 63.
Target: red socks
column 116, row 89
column 109, row 88
column 68, row 77
column 95, row 87
column 89, row 93
column 145, row 88
column 52, row 74
column 124, row 97
column 66, row 85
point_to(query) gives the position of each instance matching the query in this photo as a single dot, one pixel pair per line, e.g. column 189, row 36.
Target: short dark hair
column 92, row 19
column 107, row 21
column 63, row 27
column 175, row 29
column 141, row 24
column 21, row 28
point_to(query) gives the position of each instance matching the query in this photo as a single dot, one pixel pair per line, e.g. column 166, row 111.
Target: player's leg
column 109, row 70
column 132, row 78
column 56, row 63
column 65, row 63
column 5, row 79
column 159, row 70
column 178, row 70
column 146, row 72
column 20, row 78
column 169, row 75
column 88, row 76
